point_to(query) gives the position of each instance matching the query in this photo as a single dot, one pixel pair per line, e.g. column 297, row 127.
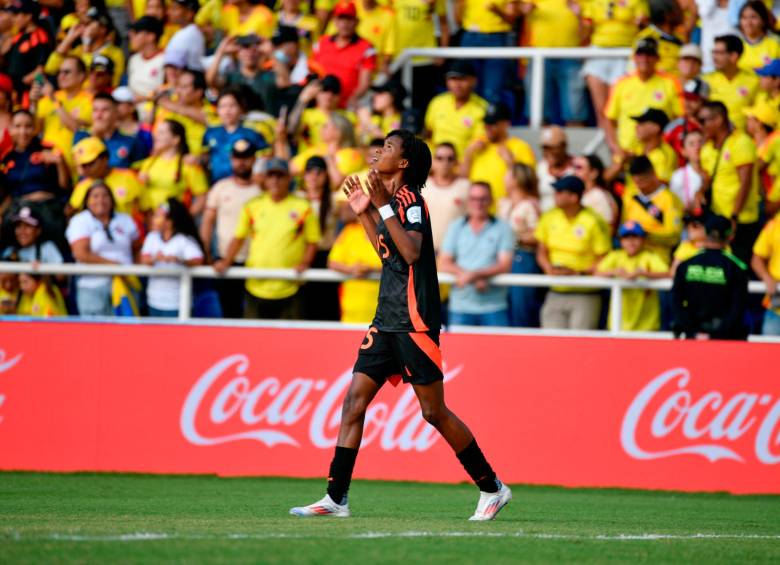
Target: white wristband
column 386, row 212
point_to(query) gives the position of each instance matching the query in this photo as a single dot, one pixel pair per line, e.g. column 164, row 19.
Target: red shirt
column 346, row 62
column 675, row 133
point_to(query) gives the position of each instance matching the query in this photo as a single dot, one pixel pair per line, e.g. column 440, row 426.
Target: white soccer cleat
column 324, row 507
column 490, row 503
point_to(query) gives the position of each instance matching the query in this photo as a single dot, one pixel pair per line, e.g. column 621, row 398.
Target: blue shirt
column 123, row 150
column 23, row 172
column 473, row 251
column 219, row 143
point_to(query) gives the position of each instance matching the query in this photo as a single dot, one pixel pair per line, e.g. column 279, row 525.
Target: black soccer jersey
column 408, row 294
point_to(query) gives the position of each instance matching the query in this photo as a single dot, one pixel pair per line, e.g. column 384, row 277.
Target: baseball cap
column 569, row 183
column 27, row 216
column 123, row 94
column 497, row 113
column 87, row 150
column 691, row 51
column 765, row 113
column 277, row 164
column 459, row 69
column 697, row 215
column 696, row 88
column 653, row 115
column 248, row 40
column 285, row 34
column 243, row 148
column 316, row 162
column 147, row 23
column 193, row 5
column 102, row 63
column 175, row 58
column 344, row 9
column 771, row 69
column 718, row 227
column 632, row 229
column 331, row 83
column 646, row 46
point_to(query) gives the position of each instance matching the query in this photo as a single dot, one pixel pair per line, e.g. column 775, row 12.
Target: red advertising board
column 262, row 401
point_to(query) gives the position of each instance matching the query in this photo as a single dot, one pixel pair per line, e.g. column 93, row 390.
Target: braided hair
column 417, row 153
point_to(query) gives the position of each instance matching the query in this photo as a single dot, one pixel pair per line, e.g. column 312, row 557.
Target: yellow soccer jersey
column 641, row 308
column 489, row 166
column 477, row 17
column 459, row 126
column 615, row 24
column 552, row 24
column 414, row 25
column 759, row 54
column 358, row 297
column 261, row 21
column 170, row 178
column 767, row 246
column 111, row 51
column 738, row 150
column 349, row 160
column 54, row 132
column 193, row 129
column 123, row 183
column 737, row 93
column 663, row 158
column 660, row 214
column 278, row 233
column 44, row 303
column 377, row 27
column 577, row 243
column 312, row 121
column 631, row 96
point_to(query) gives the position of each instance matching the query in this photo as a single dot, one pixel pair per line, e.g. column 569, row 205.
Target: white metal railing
column 535, row 54
column 186, row 276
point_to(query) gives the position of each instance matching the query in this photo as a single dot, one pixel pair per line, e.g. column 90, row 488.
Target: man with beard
column 223, row 207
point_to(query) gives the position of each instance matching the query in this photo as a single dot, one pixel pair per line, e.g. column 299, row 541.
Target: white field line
column 159, row 536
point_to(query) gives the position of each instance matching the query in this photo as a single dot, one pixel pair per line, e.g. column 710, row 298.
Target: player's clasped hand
column 358, row 199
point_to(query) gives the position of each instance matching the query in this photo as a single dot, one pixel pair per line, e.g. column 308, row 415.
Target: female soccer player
column 403, row 340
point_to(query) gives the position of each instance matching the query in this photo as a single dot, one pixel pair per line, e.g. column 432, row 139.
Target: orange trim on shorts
column 411, row 299
column 428, row 346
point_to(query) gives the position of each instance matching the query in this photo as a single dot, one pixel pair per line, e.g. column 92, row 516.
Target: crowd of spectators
column 218, row 132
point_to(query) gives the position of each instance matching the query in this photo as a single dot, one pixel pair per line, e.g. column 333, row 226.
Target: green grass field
column 141, row 519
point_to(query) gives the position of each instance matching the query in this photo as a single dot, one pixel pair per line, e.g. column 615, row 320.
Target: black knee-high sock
column 473, row 460
column 340, row 474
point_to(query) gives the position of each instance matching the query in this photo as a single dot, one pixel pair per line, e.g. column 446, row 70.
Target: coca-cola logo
column 5, row 365
column 226, row 404
column 712, row 425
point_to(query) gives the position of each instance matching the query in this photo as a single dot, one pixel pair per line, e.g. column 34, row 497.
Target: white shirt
column 601, row 202
column 163, row 292
column 145, row 76
column 227, row 198
column 118, row 248
column 714, row 22
column 685, row 183
column 445, row 203
column 48, row 253
column 189, row 40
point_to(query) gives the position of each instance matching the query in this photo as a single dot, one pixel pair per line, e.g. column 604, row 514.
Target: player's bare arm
column 362, row 206
column 408, row 243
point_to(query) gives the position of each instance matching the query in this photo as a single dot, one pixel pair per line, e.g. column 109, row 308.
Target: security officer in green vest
column 710, row 289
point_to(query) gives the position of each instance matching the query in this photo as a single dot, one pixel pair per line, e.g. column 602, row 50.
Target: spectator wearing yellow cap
column 762, row 119
column 641, row 308
column 91, row 156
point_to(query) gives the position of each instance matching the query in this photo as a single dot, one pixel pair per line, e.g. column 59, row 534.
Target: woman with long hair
column 174, row 240
column 100, row 235
column 590, row 169
column 320, row 298
column 168, row 173
column 35, row 177
column 521, row 210
column 762, row 46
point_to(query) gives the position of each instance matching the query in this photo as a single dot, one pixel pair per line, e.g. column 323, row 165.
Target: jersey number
column 381, row 247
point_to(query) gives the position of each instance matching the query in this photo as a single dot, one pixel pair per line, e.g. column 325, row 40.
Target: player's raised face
column 390, row 158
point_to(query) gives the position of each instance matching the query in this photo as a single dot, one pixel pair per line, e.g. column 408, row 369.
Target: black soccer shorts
column 414, row 357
